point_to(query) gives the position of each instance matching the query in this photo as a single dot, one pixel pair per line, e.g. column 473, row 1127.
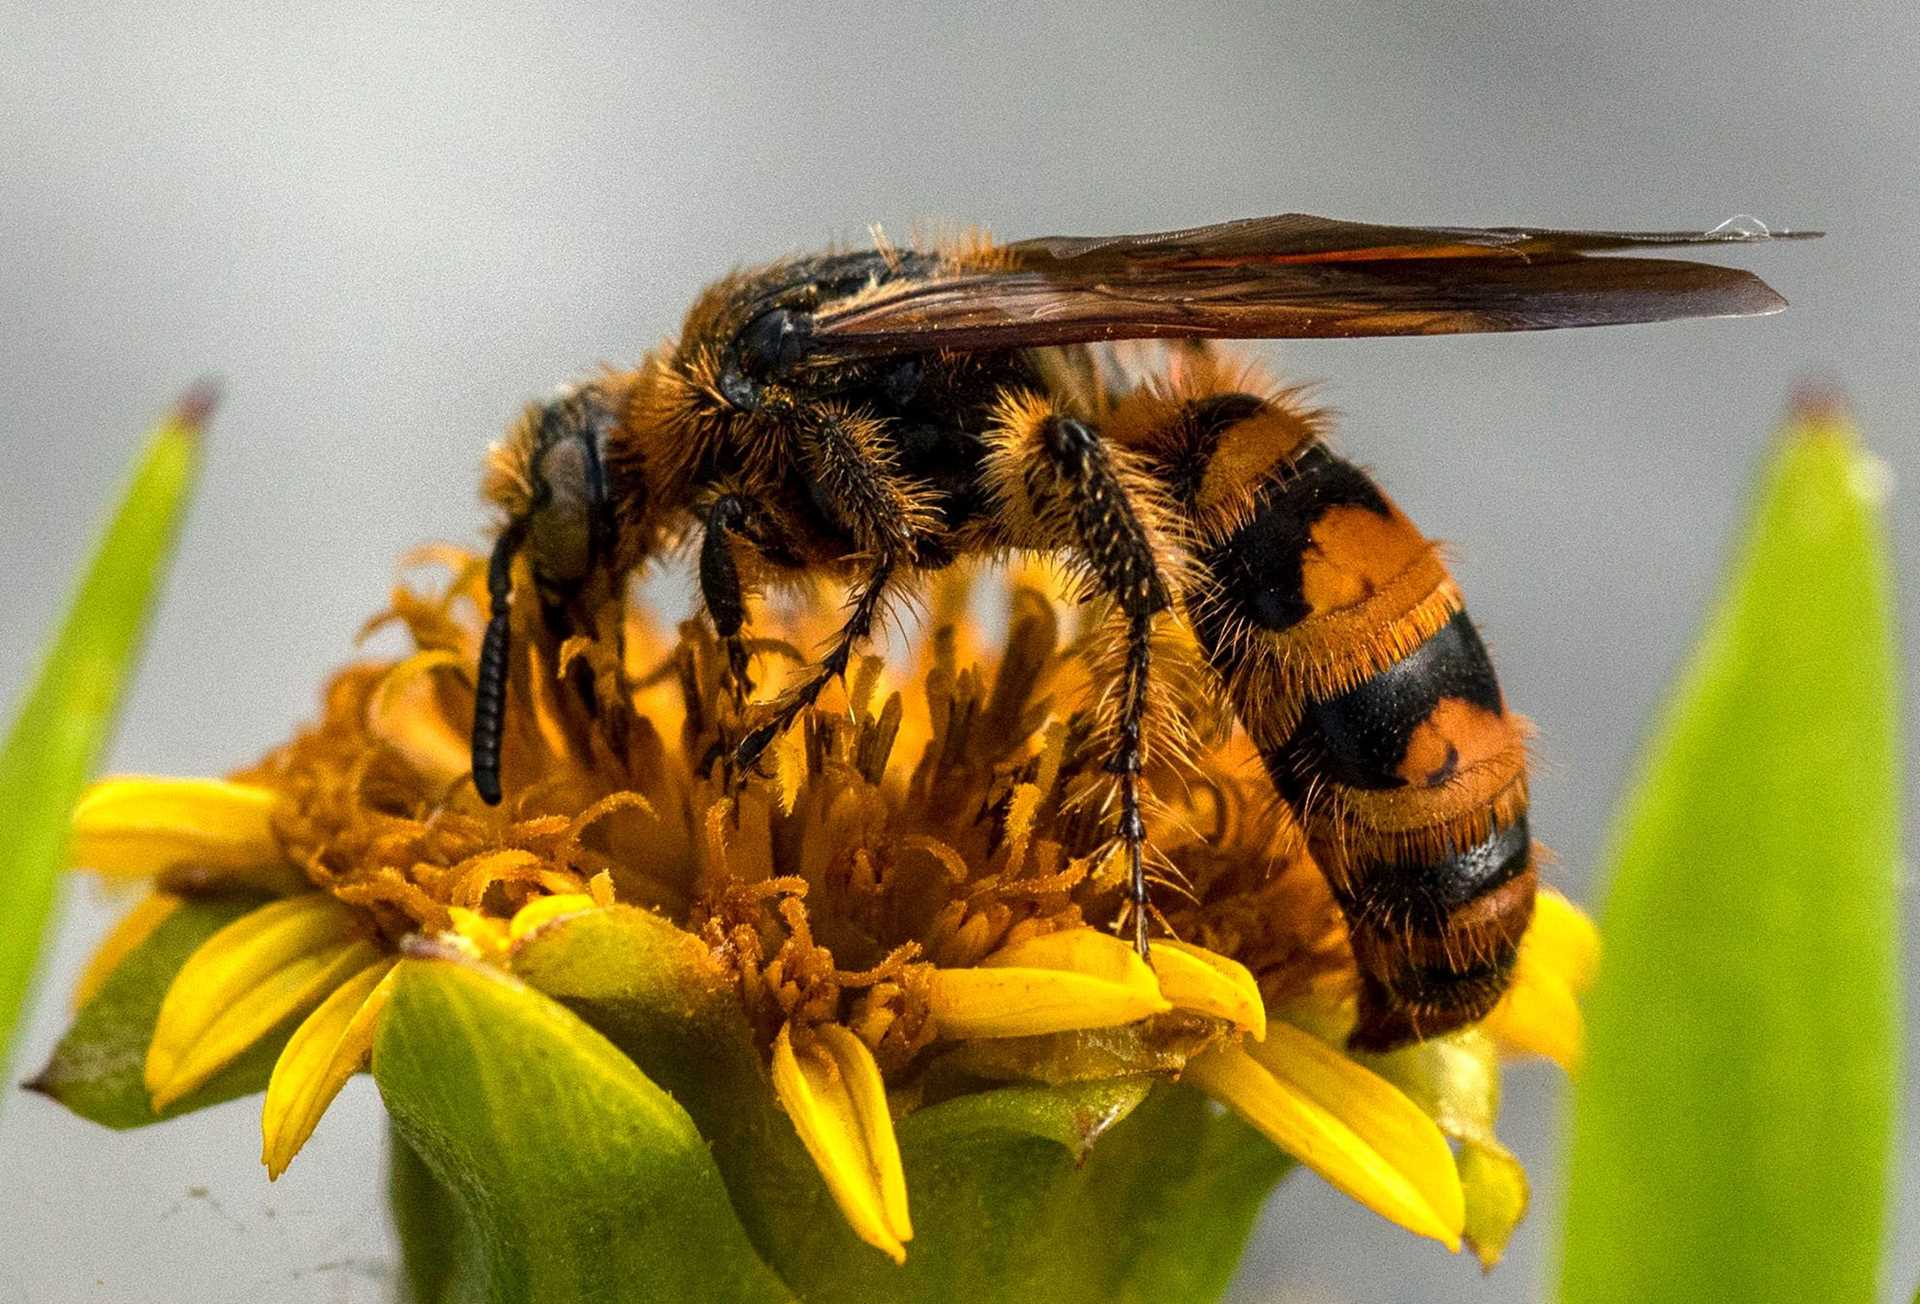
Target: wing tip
column 1757, row 299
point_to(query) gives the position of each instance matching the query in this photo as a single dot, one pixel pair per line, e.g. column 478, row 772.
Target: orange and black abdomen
column 1352, row 664
column 1412, row 788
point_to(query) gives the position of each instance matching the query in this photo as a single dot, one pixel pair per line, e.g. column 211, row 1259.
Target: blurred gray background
column 387, row 226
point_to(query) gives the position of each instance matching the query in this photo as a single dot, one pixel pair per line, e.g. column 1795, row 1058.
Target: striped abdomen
column 1352, row 664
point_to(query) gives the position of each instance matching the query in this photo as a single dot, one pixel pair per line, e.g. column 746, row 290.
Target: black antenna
column 490, row 684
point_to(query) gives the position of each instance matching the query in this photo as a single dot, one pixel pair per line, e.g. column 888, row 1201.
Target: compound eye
column 560, row 538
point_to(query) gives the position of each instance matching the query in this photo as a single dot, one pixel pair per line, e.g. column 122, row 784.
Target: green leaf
column 66, row 716
column 582, row 1179
column 1091, row 1191
column 96, row 1069
column 1733, row 1126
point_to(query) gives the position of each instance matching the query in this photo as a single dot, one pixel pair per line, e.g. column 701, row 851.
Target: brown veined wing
column 1297, row 276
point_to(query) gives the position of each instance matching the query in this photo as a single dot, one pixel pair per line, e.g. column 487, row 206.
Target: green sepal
column 1114, row 1191
column 96, row 1069
column 68, row 711
column 1089, row 1191
column 1733, row 1125
column 441, row 1244
column 578, row 1177
column 1497, row 1194
column 657, row 994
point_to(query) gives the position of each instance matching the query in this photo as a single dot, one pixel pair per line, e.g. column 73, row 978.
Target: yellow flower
column 910, row 897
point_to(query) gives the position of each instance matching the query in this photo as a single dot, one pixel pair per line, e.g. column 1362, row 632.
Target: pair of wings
column 1297, row 276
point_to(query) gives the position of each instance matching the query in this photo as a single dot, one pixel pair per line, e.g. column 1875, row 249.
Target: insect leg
column 869, row 600
column 1066, row 486
column 853, row 480
column 851, row 477
column 720, row 582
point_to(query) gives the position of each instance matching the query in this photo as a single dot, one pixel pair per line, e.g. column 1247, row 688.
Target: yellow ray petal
column 838, row 1105
column 211, row 1014
column 861, row 1076
column 1195, row 978
column 134, row 928
column 1539, row 1015
column 1355, row 1129
column 1059, row 982
column 1563, row 940
column 288, row 992
column 206, row 832
column 330, row 1046
column 1455, row 1079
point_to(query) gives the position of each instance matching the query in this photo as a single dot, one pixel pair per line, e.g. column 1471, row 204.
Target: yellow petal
column 1563, row 940
column 1355, row 1129
column 205, row 832
column 839, row 1107
column 136, row 927
column 405, row 712
column 286, row 993
column 1082, row 950
column 241, row 982
column 330, row 1046
column 546, row 909
column 1194, row 978
column 1059, row 982
column 1539, row 1015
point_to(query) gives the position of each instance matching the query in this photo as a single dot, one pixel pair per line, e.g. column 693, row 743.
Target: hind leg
column 1063, row 486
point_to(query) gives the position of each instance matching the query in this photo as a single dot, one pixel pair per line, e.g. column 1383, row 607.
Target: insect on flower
column 895, row 915
column 875, row 416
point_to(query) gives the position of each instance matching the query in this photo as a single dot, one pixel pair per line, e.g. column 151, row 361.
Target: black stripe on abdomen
column 1359, row 739
column 1420, row 894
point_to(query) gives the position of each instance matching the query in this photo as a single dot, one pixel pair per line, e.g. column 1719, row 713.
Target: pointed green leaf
column 66, row 716
column 1733, row 1125
column 1016, row 1192
column 96, row 1070
column 582, row 1179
